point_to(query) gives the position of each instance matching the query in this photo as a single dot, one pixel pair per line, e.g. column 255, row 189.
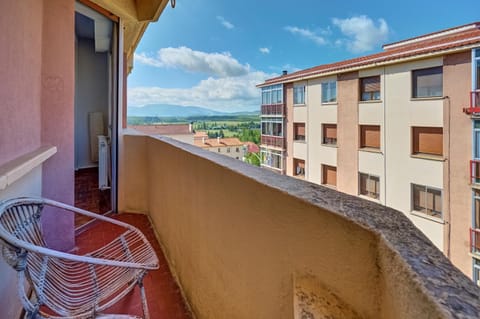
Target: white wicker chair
column 70, row 285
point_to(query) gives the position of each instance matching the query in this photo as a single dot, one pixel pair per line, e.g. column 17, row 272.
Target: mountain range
column 169, row 110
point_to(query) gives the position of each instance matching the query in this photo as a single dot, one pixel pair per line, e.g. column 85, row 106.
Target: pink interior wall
column 20, row 72
column 57, row 105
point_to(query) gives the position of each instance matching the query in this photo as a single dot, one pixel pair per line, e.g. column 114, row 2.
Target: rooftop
column 218, row 142
column 463, row 37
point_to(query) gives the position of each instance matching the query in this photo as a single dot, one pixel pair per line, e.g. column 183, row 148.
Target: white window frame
column 412, row 201
column 328, row 85
column 270, row 92
column 303, row 90
column 268, row 160
column 368, row 177
column 272, row 120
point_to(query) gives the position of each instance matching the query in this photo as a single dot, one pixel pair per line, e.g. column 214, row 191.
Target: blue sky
column 213, row 53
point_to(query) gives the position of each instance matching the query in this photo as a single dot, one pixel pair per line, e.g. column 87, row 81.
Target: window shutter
column 428, row 140
column 330, row 131
column 370, row 136
column 300, row 129
column 329, row 175
column 371, row 84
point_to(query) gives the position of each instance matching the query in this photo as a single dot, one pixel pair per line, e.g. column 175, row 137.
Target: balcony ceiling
column 136, row 14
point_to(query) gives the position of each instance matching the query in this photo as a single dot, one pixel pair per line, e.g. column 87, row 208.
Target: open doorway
column 95, row 105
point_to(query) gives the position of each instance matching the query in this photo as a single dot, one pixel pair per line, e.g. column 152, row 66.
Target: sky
column 213, row 53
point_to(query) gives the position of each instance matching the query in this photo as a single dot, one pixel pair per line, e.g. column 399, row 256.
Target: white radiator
column 103, row 162
column 95, row 127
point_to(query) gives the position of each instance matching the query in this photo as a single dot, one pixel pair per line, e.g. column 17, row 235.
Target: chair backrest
column 22, row 221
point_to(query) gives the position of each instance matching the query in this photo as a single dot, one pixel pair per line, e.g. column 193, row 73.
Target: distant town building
column 181, row 132
column 230, row 146
column 400, row 127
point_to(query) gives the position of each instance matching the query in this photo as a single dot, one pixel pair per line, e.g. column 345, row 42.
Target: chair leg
column 146, row 314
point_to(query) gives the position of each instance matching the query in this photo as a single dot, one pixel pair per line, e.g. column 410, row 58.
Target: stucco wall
column 456, row 85
column 347, row 133
column 20, row 72
column 236, row 256
column 403, row 112
column 288, row 129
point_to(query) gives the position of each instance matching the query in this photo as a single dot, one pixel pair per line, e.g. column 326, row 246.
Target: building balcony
column 475, row 172
column 244, row 242
column 274, row 141
column 273, row 110
column 474, row 108
column 475, row 241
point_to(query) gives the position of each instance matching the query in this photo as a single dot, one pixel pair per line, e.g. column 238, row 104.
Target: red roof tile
column 458, row 37
column 163, row 129
column 218, row 142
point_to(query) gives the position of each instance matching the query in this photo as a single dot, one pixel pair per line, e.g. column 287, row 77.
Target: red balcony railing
column 475, row 171
column 474, row 241
column 273, row 109
column 474, row 108
column 273, row 141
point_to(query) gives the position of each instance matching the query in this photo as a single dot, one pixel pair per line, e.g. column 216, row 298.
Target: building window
column 299, row 131
column 369, row 185
column 329, row 132
column 228, row 150
column 299, row 94
column 272, row 158
column 370, row 136
column 427, row 200
column 476, row 208
column 370, row 88
column 329, row 92
column 329, row 175
column 237, row 150
column 272, row 126
column 476, row 271
column 427, row 82
column 272, row 94
column 219, row 150
column 427, row 140
column 298, row 167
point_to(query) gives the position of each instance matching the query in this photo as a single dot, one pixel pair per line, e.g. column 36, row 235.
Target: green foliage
column 249, row 135
column 252, row 158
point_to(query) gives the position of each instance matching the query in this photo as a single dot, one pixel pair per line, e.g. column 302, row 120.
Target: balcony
column 244, row 242
column 273, row 110
column 474, row 108
column 475, row 241
column 475, row 172
column 275, row 141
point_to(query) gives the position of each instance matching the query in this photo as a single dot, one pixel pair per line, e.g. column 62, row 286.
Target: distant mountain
column 169, row 110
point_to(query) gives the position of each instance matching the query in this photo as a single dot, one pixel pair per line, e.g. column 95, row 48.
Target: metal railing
column 273, row 109
column 474, row 108
column 273, row 141
column 475, row 171
column 475, row 241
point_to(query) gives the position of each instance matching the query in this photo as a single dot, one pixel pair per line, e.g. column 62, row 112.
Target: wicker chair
column 67, row 285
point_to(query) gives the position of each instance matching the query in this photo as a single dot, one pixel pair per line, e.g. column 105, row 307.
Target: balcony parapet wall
column 236, row 236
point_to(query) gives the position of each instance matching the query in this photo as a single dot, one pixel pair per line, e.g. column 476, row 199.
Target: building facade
column 230, row 146
column 399, row 127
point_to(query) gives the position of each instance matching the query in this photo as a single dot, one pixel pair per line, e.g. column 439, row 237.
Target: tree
column 252, row 158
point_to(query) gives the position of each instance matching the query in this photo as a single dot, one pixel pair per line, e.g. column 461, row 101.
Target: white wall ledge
column 12, row 171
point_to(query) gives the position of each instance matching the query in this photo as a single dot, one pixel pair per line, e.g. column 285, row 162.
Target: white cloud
column 225, row 23
column 265, row 50
column 214, row 64
column 307, row 34
column 223, row 94
column 363, row 35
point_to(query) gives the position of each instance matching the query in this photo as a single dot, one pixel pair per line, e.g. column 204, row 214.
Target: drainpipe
column 447, row 217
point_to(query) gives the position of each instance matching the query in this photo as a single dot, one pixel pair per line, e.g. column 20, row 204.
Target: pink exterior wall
column 20, row 71
column 37, row 94
column 347, row 133
column 58, row 79
column 288, row 130
column 458, row 151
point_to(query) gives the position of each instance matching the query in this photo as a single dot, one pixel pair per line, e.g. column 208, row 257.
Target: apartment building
column 400, row 127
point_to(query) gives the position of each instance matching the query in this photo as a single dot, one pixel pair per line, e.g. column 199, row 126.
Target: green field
column 245, row 127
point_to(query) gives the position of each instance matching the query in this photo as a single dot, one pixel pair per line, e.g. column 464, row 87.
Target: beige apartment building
column 400, row 127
